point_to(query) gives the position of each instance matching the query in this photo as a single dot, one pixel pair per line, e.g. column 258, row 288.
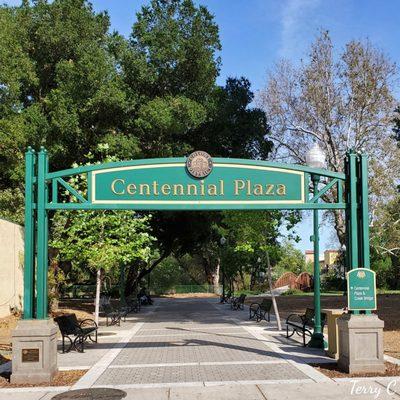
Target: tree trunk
column 215, row 276
column 340, row 226
column 135, row 276
column 276, row 311
column 253, row 276
column 97, row 301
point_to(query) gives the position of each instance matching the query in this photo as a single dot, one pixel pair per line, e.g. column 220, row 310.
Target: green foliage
column 290, row 259
column 292, row 292
column 384, row 273
column 333, row 280
column 163, row 124
column 60, row 86
column 86, row 94
column 385, row 248
column 102, row 239
column 178, row 41
column 167, row 274
column 11, row 201
column 234, row 129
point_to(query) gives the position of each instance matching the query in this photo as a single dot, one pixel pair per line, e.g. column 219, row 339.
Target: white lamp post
column 315, row 157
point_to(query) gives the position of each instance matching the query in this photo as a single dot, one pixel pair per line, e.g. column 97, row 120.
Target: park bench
column 259, row 311
column 237, row 303
column 114, row 316
column 76, row 332
column 133, row 304
column 303, row 323
column 226, row 298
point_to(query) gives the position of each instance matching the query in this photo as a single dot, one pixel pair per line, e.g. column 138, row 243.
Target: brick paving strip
column 180, row 346
column 98, row 368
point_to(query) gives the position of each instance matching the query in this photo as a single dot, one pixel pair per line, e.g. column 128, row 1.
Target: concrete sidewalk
column 200, row 349
column 363, row 389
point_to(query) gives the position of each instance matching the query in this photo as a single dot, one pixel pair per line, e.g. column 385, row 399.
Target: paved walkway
column 193, row 341
column 200, row 349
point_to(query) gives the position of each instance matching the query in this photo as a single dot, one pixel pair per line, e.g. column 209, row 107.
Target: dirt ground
column 388, row 310
column 332, row 371
column 388, row 306
column 188, row 295
column 62, row 378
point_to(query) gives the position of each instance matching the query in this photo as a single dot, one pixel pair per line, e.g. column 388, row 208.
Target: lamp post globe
column 315, row 157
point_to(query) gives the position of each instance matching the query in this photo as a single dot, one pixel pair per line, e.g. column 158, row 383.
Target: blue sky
column 257, row 33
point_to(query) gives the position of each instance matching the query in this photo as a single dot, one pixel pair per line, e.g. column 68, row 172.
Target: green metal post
column 29, row 253
column 317, row 338
column 42, row 263
column 353, row 201
column 365, row 255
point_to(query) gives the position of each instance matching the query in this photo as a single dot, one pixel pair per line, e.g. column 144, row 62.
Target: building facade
column 11, row 267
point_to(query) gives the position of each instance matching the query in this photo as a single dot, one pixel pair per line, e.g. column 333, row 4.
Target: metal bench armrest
column 300, row 317
column 91, row 322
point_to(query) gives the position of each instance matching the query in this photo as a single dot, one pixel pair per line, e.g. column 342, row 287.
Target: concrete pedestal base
column 34, row 351
column 360, row 343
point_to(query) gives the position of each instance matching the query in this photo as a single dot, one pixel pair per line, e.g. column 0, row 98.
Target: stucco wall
column 11, row 266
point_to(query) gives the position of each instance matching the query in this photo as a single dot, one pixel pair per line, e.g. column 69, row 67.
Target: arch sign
column 171, row 184
column 196, row 182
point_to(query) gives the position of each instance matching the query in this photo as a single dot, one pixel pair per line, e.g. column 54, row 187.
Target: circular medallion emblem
column 199, row 164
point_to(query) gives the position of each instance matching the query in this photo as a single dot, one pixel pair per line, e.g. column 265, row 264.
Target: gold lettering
column 281, row 191
column 143, row 186
column 212, row 190
column 166, row 189
column 270, row 190
column 131, row 188
column 155, row 188
column 191, row 186
column 176, row 187
column 202, row 192
column 239, row 185
column 114, row 182
column 221, row 187
column 248, row 183
column 258, row 190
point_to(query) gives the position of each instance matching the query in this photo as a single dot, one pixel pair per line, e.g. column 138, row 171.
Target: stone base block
column 34, row 355
column 360, row 343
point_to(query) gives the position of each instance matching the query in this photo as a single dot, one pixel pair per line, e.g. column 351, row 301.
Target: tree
column 385, row 240
column 234, row 128
column 340, row 104
column 178, row 41
column 396, row 127
column 250, row 234
column 59, row 88
column 103, row 240
column 169, row 67
column 290, row 259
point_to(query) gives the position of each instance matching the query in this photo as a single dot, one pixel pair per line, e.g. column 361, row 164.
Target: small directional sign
column 361, row 289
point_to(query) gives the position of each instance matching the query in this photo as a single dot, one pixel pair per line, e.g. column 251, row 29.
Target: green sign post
column 361, row 290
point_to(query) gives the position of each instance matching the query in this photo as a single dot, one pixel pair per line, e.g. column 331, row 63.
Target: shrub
column 292, row 292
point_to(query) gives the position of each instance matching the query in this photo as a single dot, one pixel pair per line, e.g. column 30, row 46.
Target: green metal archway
column 165, row 184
